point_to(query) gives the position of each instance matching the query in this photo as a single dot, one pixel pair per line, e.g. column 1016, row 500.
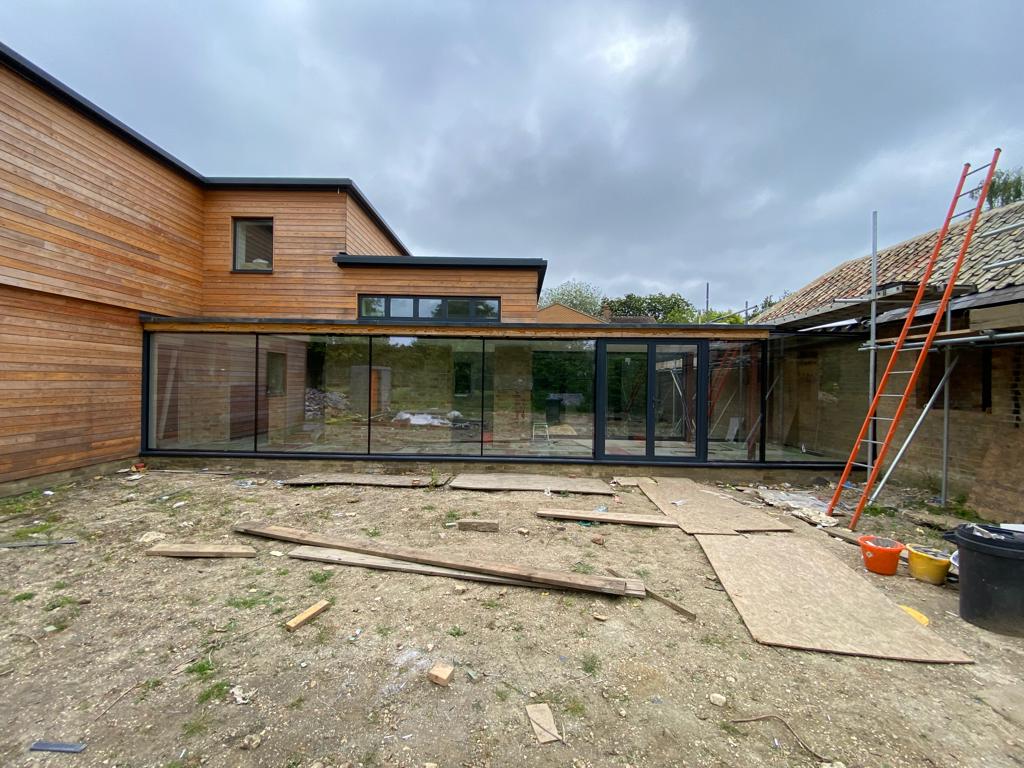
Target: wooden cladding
column 70, row 383
column 84, row 214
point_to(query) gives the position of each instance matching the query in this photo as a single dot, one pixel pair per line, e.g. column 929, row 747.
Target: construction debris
column 307, row 615
column 543, row 723
column 57, row 746
column 804, row 506
column 602, row 584
column 201, row 550
column 488, row 526
column 383, row 481
column 663, row 600
column 441, row 673
column 48, row 543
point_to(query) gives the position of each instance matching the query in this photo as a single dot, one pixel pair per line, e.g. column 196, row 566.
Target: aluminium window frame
column 235, row 221
column 389, row 319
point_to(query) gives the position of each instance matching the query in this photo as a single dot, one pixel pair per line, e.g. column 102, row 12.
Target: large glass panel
column 539, row 398
column 626, row 417
column 314, row 393
column 816, row 398
column 202, row 393
column 428, row 395
column 675, row 400
column 734, row 401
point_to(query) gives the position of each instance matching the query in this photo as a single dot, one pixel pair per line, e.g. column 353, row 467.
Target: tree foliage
column 1006, row 187
column 586, row 297
column 663, row 307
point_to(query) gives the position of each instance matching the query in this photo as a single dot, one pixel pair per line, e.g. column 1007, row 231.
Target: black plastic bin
column 991, row 577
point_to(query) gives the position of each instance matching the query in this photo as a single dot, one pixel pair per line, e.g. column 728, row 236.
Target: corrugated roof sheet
column 906, row 262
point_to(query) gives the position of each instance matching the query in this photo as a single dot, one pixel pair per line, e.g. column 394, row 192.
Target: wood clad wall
column 364, row 238
column 83, row 214
column 309, row 230
column 70, row 383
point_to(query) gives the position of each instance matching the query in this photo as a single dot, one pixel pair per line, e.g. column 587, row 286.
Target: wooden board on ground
column 489, row 526
column 792, row 592
column 201, row 550
column 355, row 478
column 666, row 601
column 513, row 482
column 656, row 521
column 704, row 510
column 628, row 482
column 603, row 584
column 307, row 615
column 543, row 723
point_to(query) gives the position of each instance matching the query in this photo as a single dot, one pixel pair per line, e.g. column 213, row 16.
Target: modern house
column 985, row 342
column 148, row 309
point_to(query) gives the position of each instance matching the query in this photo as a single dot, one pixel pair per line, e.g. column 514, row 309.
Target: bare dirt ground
column 137, row 656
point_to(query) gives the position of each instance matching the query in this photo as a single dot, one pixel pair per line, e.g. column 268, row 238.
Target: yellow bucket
column 927, row 564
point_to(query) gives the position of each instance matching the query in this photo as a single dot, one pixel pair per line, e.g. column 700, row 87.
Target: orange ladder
column 914, row 345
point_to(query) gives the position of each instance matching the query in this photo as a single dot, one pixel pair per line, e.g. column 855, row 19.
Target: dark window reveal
column 276, row 366
column 254, row 245
column 453, row 309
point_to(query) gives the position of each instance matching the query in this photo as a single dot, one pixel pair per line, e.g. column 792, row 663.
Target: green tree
column 663, row 307
column 586, row 297
column 1006, row 187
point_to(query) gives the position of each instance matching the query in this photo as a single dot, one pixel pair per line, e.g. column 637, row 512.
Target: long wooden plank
column 702, row 510
column 602, row 584
column 508, row 481
column 354, row 478
column 201, row 550
column 656, row 521
column 792, row 592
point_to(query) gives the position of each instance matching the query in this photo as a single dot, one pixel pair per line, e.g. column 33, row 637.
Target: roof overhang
column 539, row 266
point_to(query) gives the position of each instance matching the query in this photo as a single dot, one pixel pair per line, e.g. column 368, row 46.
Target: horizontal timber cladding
column 70, row 383
column 500, row 331
column 362, row 236
column 84, row 214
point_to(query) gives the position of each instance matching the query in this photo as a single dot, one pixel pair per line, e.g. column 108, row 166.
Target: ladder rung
column 860, row 464
column 875, row 442
column 892, row 372
column 883, row 418
column 962, row 213
column 886, row 394
column 977, row 170
column 971, row 191
column 921, row 325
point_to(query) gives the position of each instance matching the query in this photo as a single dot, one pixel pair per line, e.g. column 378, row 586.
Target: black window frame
column 235, row 221
column 442, row 319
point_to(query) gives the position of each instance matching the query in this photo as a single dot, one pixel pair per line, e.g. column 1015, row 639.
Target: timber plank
column 307, row 615
column 509, row 481
column 602, row 584
column 201, row 550
column 653, row 521
column 354, row 478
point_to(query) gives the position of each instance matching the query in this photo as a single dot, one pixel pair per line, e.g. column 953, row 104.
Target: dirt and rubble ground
column 84, row 623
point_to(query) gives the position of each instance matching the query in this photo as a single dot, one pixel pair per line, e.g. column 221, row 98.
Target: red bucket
column 881, row 555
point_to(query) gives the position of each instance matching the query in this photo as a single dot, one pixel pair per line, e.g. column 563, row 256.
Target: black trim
column 388, row 319
column 67, row 96
column 446, row 262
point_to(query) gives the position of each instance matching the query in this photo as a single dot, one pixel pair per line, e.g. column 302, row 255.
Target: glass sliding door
column 734, row 401
column 675, row 400
column 626, row 399
column 648, row 398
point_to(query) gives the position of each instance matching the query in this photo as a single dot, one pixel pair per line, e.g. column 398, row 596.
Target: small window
column 458, row 309
column 276, row 365
column 371, row 306
column 254, row 245
column 401, row 308
column 485, row 309
column 431, row 309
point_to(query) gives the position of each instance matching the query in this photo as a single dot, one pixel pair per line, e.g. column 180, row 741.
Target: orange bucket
column 881, row 555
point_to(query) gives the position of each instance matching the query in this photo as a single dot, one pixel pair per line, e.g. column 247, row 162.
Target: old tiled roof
column 906, row 262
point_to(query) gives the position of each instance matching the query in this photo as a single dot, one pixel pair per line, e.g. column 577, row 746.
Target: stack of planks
column 371, row 554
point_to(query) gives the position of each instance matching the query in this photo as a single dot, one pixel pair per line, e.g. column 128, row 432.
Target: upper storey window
column 423, row 309
column 254, row 245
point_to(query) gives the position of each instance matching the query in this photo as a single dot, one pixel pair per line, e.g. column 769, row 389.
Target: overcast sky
column 648, row 146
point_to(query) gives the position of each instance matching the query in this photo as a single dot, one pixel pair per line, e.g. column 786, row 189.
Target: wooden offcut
column 704, row 510
column 355, row 478
column 628, row 482
column 307, row 615
column 488, row 526
column 201, row 550
column 654, row 521
column 601, row 584
column 508, row 481
column 666, row 601
column 441, row 673
column 792, row 592
column 543, row 723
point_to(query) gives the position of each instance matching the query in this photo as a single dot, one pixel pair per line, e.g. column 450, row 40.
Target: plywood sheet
column 792, row 592
column 698, row 509
column 515, row 482
column 355, row 478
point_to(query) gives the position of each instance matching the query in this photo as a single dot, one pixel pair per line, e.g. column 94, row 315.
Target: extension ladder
column 902, row 345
